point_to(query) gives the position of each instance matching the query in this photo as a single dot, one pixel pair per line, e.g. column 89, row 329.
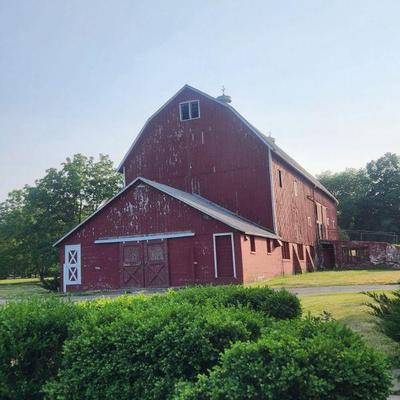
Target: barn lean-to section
column 219, row 202
column 152, row 235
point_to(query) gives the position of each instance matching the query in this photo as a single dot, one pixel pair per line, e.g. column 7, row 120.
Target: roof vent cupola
column 224, row 97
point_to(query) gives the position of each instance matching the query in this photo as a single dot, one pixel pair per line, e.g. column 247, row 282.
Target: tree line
column 369, row 197
column 33, row 218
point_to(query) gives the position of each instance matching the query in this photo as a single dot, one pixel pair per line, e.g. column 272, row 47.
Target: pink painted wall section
column 260, row 265
column 216, row 156
column 143, row 210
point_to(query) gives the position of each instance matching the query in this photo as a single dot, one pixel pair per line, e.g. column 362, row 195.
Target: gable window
column 295, row 187
column 252, row 244
column 280, row 177
column 285, row 251
column 189, row 110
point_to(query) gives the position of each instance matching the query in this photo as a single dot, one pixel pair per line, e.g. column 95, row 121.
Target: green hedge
column 161, row 346
column 278, row 304
column 32, row 334
column 307, row 360
column 387, row 310
column 143, row 352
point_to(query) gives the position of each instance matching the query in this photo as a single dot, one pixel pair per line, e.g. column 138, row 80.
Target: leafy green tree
column 349, row 187
column 382, row 204
column 33, row 218
column 369, row 198
column 13, row 222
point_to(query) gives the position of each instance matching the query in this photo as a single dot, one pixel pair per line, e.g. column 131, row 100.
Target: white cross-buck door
column 72, row 265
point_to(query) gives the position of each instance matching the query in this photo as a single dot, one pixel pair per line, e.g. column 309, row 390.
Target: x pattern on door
column 72, row 272
column 145, row 264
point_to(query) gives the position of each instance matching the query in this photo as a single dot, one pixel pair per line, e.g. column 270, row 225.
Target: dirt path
column 341, row 289
column 299, row 291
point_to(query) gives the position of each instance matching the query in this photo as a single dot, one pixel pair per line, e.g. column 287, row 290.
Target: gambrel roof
column 269, row 142
column 197, row 202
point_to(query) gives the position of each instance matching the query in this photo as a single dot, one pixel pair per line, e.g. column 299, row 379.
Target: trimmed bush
column 279, row 304
column 139, row 350
column 32, row 334
column 387, row 310
column 303, row 360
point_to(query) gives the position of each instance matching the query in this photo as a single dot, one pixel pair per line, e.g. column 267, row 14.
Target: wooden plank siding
column 296, row 214
column 216, row 156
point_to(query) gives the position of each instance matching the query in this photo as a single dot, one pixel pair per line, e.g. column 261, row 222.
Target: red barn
column 207, row 199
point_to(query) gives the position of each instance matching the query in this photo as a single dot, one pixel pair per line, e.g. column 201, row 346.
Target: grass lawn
column 20, row 287
column 335, row 278
column 18, row 281
column 350, row 309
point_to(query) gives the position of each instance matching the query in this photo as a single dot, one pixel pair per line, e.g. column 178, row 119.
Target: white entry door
column 72, row 265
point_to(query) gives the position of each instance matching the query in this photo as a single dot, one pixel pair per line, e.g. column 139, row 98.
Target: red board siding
column 293, row 212
column 223, row 255
column 216, row 156
column 143, row 210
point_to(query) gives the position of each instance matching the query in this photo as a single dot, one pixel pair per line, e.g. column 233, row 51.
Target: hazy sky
column 83, row 76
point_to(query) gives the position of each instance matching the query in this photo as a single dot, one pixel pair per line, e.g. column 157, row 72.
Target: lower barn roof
column 197, row 202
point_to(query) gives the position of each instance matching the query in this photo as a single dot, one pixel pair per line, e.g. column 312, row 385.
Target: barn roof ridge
column 267, row 141
column 197, row 202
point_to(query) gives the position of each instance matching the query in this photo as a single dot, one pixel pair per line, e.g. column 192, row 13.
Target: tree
column 382, row 205
column 369, row 198
column 32, row 219
column 349, row 187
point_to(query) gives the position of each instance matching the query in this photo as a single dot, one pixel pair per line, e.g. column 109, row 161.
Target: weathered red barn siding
column 216, row 156
column 292, row 212
column 145, row 210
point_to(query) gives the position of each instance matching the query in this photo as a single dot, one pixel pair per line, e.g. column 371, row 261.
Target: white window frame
column 215, row 253
column 190, row 109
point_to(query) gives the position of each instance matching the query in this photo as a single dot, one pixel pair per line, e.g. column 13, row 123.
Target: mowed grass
column 351, row 310
column 20, row 287
column 335, row 278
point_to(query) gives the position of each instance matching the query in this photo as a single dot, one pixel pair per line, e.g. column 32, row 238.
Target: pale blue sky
column 83, row 76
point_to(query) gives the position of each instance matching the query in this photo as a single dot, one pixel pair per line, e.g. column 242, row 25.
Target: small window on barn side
column 300, row 251
column 280, row 177
column 295, row 187
column 189, row 110
column 252, row 244
column 285, row 251
column 269, row 246
column 355, row 255
column 309, row 221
